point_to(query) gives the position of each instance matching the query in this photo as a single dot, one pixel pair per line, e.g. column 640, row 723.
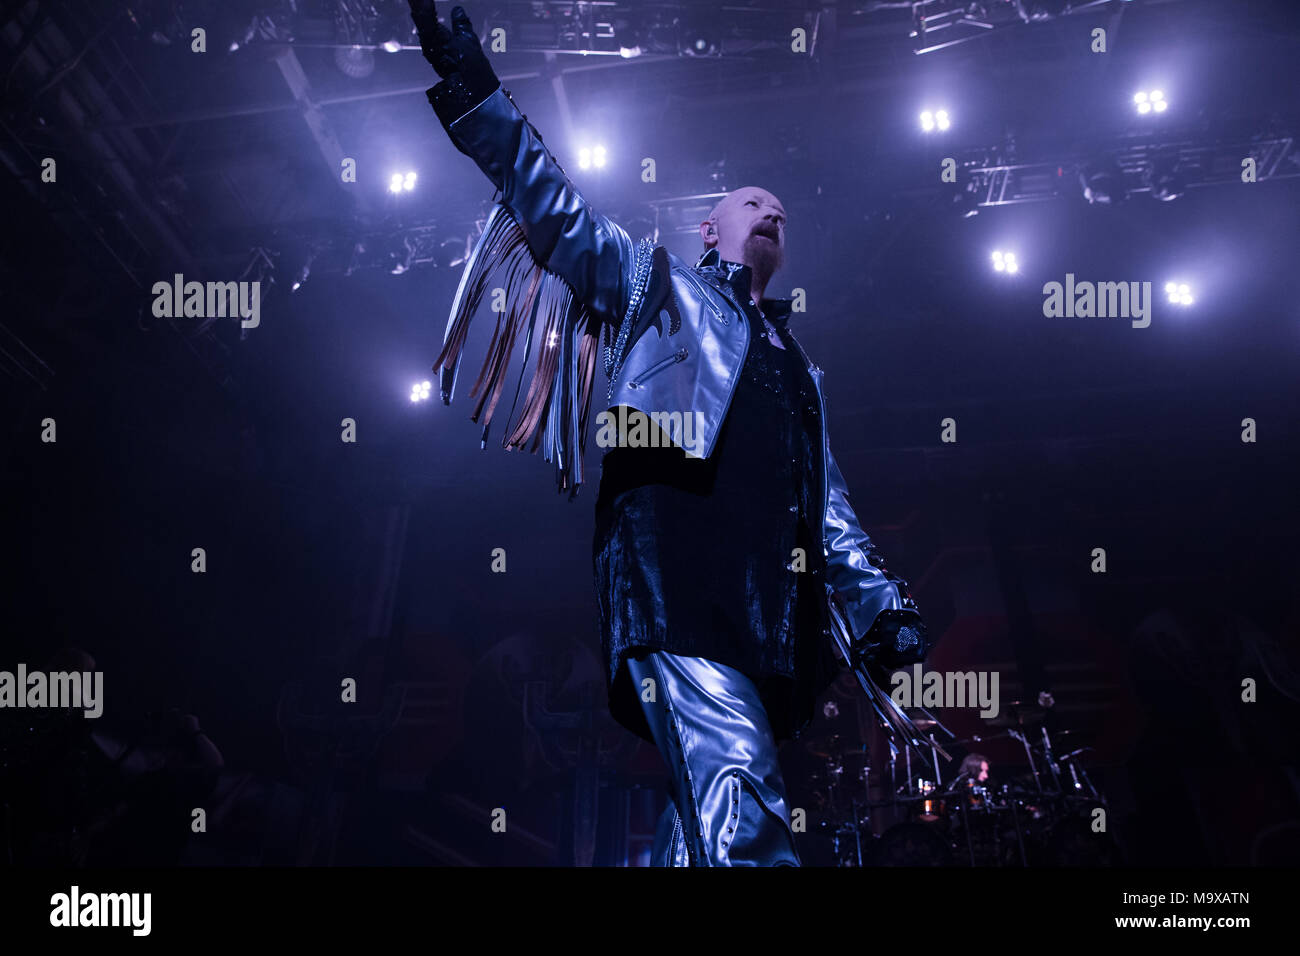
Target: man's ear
column 708, row 233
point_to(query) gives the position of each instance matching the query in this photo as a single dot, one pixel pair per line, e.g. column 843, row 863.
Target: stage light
column 452, row 252
column 699, row 43
column 393, row 30
column 355, row 61
column 1150, row 102
column 1005, row 262
column 627, row 52
column 1103, row 182
column 1179, row 293
column 932, row 120
column 401, row 182
column 304, row 272
column 589, row 156
column 1163, row 177
column 400, row 256
column 420, row 391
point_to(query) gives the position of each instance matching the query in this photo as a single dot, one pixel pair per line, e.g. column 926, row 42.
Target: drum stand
column 1020, row 840
column 1029, row 755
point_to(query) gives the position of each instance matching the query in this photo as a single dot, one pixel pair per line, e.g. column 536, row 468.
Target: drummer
column 975, row 768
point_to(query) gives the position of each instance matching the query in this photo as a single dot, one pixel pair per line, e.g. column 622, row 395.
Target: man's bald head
column 748, row 225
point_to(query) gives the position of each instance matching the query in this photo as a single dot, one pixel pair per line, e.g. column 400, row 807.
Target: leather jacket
column 676, row 336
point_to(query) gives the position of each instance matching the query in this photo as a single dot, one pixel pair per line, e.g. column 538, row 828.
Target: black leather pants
column 728, row 805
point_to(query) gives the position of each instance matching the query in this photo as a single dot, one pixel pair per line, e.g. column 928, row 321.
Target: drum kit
column 1042, row 817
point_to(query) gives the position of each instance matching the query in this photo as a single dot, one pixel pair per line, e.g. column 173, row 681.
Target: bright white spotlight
column 420, row 391
column 393, row 46
column 395, row 183
column 408, row 182
column 1150, row 101
column 592, row 155
column 1179, row 293
column 1005, row 262
column 932, row 120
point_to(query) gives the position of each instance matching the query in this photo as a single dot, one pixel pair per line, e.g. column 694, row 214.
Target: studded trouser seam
column 734, row 819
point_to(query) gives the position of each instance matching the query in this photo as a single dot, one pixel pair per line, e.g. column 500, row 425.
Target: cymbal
column 1062, row 738
column 980, row 739
column 1018, row 714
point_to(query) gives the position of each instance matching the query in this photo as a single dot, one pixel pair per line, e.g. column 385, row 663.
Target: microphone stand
column 1029, row 755
column 1051, row 759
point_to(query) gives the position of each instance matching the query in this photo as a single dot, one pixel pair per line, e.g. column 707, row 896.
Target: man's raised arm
column 590, row 252
column 569, row 270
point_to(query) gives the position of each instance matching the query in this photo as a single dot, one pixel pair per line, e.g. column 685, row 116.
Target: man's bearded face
column 749, row 227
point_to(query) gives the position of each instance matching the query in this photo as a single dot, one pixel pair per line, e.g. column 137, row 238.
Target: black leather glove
column 898, row 637
column 456, row 54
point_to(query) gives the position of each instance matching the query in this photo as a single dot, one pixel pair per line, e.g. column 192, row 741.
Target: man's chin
column 764, row 253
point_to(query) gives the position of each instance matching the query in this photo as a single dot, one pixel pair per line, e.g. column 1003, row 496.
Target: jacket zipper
column 704, row 296
column 678, row 356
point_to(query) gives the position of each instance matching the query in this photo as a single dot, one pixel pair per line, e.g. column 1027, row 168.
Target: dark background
column 371, row 560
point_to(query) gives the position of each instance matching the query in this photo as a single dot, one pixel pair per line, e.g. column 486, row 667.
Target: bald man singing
column 724, row 537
